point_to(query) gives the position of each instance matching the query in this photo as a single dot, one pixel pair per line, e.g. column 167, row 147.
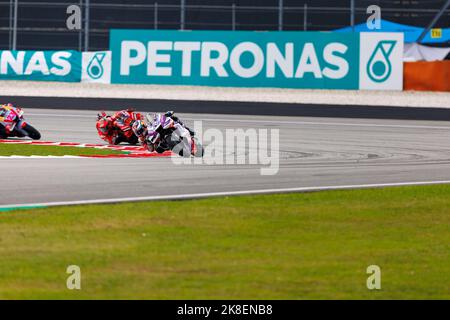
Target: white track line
column 275, row 122
column 220, row 194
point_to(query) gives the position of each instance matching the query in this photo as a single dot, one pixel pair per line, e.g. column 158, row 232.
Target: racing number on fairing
column 7, row 115
column 10, row 117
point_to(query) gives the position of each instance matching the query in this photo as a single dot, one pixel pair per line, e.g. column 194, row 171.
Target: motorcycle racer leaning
column 141, row 130
column 117, row 128
column 7, row 116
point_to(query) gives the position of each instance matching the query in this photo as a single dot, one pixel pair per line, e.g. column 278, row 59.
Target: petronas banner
column 381, row 61
column 316, row 60
column 40, row 65
column 96, row 67
column 66, row 66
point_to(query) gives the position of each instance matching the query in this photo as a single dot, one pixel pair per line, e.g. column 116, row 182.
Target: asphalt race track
column 314, row 152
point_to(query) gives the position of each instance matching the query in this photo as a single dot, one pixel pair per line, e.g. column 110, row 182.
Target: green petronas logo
column 95, row 67
column 379, row 66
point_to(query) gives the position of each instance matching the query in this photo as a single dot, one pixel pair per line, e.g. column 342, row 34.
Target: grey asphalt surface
column 314, row 152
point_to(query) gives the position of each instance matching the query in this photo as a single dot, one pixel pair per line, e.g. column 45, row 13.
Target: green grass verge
column 292, row 246
column 37, row 150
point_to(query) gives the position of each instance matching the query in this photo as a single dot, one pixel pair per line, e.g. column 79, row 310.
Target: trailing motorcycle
column 116, row 129
column 13, row 124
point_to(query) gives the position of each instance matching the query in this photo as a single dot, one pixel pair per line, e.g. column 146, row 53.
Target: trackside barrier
column 427, row 76
column 318, row 60
column 66, row 66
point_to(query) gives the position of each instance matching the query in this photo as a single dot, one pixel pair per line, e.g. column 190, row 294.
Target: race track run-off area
column 314, row 153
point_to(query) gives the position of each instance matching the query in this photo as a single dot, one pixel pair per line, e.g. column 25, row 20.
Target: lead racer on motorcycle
column 140, row 129
column 156, row 135
column 117, row 128
column 147, row 135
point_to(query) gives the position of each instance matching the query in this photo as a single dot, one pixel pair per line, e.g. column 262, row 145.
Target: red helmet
column 104, row 125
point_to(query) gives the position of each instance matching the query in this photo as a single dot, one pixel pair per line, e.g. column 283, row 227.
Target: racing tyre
column 32, row 132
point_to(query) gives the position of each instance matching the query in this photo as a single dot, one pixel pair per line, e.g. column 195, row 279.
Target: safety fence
column 427, row 76
column 42, row 25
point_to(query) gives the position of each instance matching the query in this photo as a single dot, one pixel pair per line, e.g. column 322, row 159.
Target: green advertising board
column 40, row 65
column 316, row 60
column 242, row 58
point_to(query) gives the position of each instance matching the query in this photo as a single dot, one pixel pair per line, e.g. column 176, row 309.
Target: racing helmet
column 6, row 105
column 104, row 125
column 139, row 128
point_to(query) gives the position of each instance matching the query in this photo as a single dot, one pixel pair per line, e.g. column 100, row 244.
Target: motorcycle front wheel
column 32, row 132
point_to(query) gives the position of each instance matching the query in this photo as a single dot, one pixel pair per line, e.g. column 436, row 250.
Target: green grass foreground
column 292, row 246
column 37, row 150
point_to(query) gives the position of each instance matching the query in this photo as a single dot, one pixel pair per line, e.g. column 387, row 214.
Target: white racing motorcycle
column 167, row 134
